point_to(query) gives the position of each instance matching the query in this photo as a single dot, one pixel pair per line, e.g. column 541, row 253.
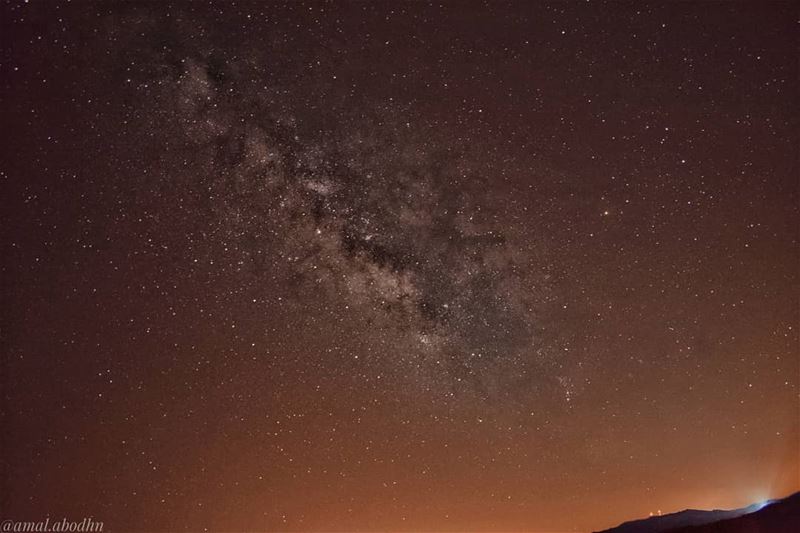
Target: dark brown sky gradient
column 397, row 267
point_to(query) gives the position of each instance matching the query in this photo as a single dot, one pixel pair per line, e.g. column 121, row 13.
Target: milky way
column 375, row 219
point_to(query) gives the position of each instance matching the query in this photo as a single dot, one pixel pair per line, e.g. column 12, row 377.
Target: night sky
column 397, row 266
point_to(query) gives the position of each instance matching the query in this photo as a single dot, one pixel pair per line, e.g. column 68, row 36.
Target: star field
column 397, row 267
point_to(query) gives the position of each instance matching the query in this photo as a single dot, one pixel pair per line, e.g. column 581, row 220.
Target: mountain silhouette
column 774, row 516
